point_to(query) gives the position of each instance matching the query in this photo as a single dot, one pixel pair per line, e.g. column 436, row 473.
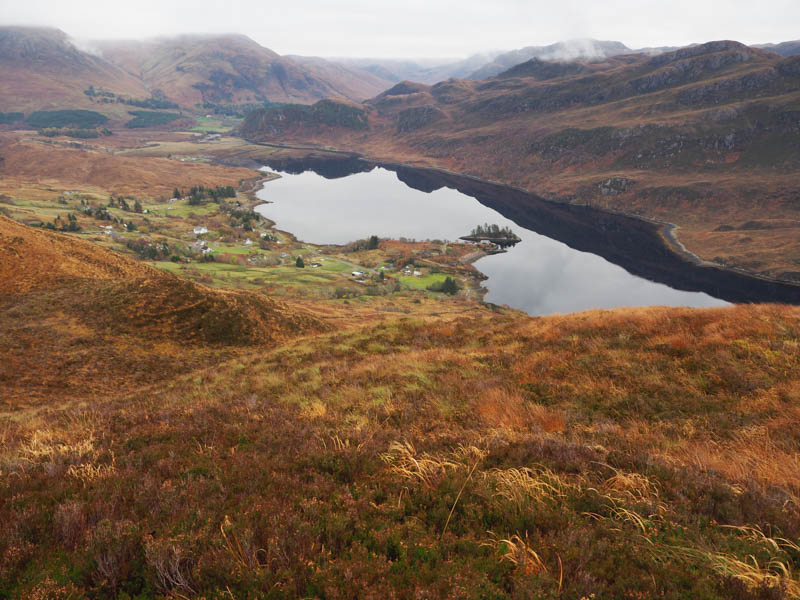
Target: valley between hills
column 196, row 404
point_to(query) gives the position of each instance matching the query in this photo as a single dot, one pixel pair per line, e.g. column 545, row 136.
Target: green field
column 424, row 281
column 183, row 209
column 209, row 125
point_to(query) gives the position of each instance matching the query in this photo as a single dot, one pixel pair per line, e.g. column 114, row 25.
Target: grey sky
column 414, row 28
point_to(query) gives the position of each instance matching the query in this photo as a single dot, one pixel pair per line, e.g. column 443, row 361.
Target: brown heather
column 633, row 453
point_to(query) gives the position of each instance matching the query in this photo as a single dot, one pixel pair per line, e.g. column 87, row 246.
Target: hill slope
column 784, row 48
column 41, row 69
column 647, row 453
column 579, row 49
column 704, row 137
column 88, row 298
column 193, row 69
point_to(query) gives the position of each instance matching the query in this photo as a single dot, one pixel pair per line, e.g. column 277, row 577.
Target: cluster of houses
column 410, row 271
column 200, row 247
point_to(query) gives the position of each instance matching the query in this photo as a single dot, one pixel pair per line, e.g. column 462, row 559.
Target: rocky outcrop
column 615, row 185
column 412, row 119
column 790, row 67
column 725, row 90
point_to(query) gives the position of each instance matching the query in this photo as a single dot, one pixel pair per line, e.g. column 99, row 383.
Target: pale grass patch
column 632, row 487
column 404, row 460
column 528, row 486
column 750, row 456
column 623, row 514
column 315, row 410
column 44, row 445
column 503, row 408
column 778, row 544
column 262, row 380
column 86, row 472
column 776, row 573
column 338, row 444
column 518, row 551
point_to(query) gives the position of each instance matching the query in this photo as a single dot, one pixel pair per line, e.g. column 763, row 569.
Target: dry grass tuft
column 528, row 486
column 424, row 468
column 518, row 551
column 502, row 408
column 775, row 574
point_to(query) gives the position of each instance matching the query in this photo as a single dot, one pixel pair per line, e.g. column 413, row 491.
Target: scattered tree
column 449, row 286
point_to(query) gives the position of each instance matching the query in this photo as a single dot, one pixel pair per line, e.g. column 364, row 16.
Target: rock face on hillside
column 412, row 119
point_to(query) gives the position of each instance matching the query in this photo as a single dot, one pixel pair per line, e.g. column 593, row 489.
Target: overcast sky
column 416, row 28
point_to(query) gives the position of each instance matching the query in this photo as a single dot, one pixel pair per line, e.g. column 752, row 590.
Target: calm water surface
column 539, row 275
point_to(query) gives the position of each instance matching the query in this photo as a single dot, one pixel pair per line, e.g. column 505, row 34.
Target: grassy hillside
column 65, row 300
column 633, row 453
column 703, row 137
column 31, row 162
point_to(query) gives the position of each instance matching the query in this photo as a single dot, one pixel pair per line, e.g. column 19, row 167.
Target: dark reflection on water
column 540, row 275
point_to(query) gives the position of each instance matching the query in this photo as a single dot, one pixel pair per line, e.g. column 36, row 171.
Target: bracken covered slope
column 65, row 301
column 646, row 453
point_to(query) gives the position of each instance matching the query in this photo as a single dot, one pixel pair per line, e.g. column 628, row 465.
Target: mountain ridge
column 44, row 69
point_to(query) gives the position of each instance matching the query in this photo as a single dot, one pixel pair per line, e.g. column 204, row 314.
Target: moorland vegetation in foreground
column 194, row 404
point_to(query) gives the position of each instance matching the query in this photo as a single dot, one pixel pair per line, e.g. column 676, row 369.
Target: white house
column 200, row 230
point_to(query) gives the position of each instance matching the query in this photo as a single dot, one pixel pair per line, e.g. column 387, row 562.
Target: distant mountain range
column 483, row 66
column 193, row 69
column 41, row 68
column 562, row 51
column 784, row 48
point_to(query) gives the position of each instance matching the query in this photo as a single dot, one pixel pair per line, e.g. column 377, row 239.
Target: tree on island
column 299, row 263
column 493, row 231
